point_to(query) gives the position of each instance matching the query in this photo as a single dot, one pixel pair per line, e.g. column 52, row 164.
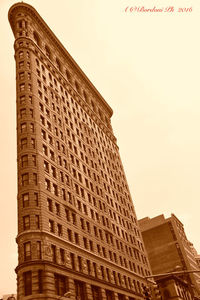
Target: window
column 24, row 160
column 35, row 199
column 35, row 178
column 34, row 160
column 22, row 112
column 25, row 179
column 59, row 228
column 26, row 222
column 60, row 284
column 21, row 54
column 37, row 221
column 47, row 185
column 62, row 255
column 47, row 50
column 22, row 100
column 27, row 278
column 46, row 166
column 49, row 205
column 80, row 264
column 39, row 252
column 27, row 251
column 53, row 251
column 53, row 171
column 36, row 38
column 79, row 290
column 40, row 281
column 31, row 127
column 44, row 148
column 51, row 226
column 76, row 238
column 25, row 200
column 21, row 75
column 21, row 64
column 22, row 87
column 55, row 189
column 33, row 143
column 57, row 209
column 24, row 143
column 69, row 233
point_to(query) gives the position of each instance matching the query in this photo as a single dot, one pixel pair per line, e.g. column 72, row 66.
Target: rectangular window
column 60, row 284
column 27, row 278
column 25, row 179
column 35, row 178
column 49, row 205
column 40, row 281
column 37, row 221
column 24, row 161
column 22, row 100
column 53, row 251
column 47, row 185
column 59, row 228
column 34, row 160
column 27, row 251
column 26, row 222
column 24, row 143
column 62, row 255
column 21, row 75
column 25, row 200
column 35, row 199
column 39, row 251
column 72, row 261
column 22, row 87
column 51, row 226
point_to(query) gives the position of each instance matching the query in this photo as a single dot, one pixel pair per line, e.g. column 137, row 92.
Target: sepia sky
column 147, row 67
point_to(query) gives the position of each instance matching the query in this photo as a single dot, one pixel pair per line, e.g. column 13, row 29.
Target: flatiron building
column 77, row 227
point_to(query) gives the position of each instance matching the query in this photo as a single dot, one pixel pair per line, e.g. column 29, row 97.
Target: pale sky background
column 147, row 67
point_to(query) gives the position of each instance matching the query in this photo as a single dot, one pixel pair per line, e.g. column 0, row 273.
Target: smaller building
column 168, row 247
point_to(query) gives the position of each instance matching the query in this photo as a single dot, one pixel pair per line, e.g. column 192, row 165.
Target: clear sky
column 147, row 67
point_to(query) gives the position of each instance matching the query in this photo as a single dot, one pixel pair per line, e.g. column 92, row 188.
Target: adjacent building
column 77, row 227
column 169, row 250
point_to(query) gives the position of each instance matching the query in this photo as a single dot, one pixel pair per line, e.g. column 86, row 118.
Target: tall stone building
column 77, row 227
column 169, row 250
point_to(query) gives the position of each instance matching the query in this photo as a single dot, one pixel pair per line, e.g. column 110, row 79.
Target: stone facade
column 77, row 228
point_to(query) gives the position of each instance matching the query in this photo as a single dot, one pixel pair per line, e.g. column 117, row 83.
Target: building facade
column 77, row 227
column 168, row 249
